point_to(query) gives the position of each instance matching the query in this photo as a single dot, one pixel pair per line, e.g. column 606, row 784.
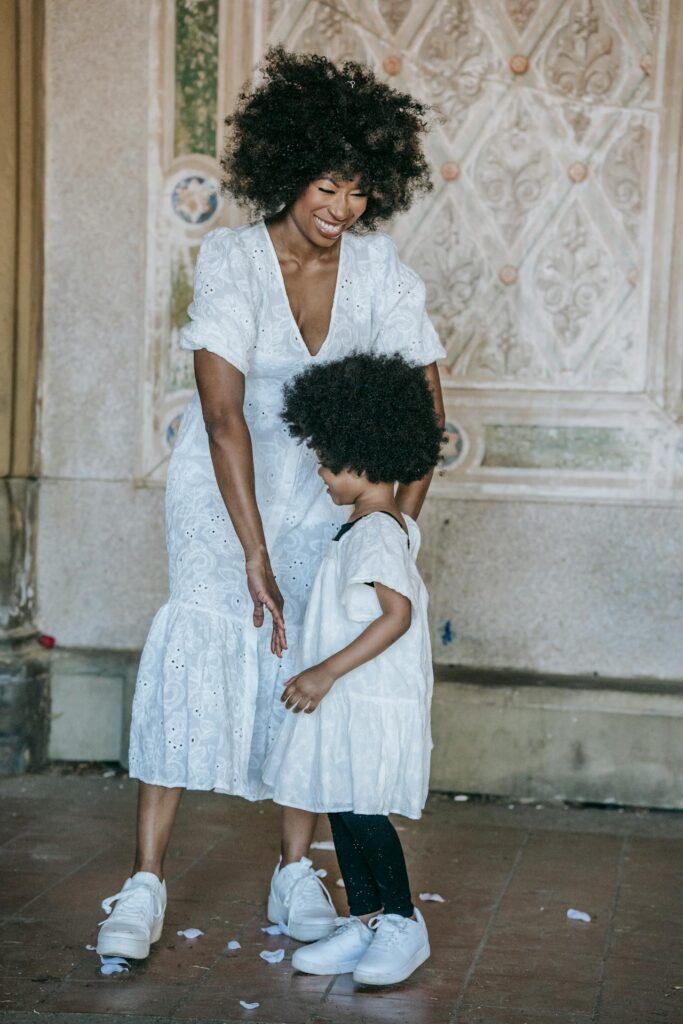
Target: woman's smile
column 327, row 228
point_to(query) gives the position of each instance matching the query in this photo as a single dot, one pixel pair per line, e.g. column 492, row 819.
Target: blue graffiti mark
column 447, row 634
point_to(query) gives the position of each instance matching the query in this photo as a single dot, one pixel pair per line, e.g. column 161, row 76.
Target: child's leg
column 377, row 841
column 361, row 892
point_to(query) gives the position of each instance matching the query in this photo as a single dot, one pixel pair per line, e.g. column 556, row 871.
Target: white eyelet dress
column 367, row 746
column 206, row 707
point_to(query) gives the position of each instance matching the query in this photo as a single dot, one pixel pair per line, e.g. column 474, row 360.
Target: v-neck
column 278, row 268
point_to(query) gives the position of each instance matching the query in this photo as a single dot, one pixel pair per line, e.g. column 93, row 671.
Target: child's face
column 345, row 487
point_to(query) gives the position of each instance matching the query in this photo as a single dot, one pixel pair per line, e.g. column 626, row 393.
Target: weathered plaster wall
column 101, row 568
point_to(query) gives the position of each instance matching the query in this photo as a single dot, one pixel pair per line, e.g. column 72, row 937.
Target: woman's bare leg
column 298, row 829
column 157, row 807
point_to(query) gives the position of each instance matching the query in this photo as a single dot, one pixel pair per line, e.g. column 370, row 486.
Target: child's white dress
column 366, row 748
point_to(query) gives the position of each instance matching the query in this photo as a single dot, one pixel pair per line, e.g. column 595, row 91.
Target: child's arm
column 304, row 691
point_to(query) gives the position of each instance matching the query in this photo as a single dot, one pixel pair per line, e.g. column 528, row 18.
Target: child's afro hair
column 366, row 413
column 308, row 118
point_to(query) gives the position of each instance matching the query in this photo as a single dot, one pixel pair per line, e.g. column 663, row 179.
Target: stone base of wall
column 92, row 693
column 523, row 737
column 558, row 738
column 24, row 706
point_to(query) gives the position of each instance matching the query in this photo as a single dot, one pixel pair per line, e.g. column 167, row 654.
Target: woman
column 317, row 151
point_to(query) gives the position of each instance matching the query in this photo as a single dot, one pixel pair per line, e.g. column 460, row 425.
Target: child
column 361, row 748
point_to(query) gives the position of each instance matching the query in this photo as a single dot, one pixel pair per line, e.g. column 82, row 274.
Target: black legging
column 372, row 864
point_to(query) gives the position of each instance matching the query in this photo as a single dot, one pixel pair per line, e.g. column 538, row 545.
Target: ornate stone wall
column 546, row 245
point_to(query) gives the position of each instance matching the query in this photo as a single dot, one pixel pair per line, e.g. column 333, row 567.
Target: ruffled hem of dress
column 371, row 760
column 190, row 716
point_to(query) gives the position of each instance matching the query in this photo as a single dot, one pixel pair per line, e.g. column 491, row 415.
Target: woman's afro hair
column 308, row 118
column 366, row 413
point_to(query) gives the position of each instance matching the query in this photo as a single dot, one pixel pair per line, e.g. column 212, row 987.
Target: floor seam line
column 19, row 913
column 616, row 893
column 489, row 928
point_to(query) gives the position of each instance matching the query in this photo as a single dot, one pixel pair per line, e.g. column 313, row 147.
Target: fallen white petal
column 249, row 1006
column 461, row 798
column 273, row 956
column 273, row 929
column 432, row 897
column 323, row 844
column 579, row 915
column 190, row 933
column 340, row 882
column 234, row 944
column 91, row 949
column 321, row 873
column 114, row 965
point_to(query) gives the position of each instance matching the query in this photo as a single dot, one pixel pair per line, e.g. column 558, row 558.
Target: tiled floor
column 503, row 951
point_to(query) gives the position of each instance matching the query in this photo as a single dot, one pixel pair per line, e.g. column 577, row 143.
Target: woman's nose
column 340, row 207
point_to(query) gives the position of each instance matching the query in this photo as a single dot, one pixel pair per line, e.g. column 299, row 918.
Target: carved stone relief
column 455, row 56
column 583, row 59
column 537, row 245
column 513, row 170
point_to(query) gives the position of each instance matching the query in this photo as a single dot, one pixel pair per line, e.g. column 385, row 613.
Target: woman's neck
column 291, row 243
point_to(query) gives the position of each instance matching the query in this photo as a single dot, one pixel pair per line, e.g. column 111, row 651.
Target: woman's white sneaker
column 299, row 902
column 339, row 952
column 136, row 917
column 398, row 948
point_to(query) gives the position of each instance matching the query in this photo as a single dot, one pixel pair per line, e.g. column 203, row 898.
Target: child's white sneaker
column 136, row 920
column 299, row 902
column 339, row 952
column 398, row 948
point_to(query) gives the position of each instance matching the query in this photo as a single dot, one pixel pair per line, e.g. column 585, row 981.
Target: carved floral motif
column 623, row 175
column 513, row 171
column 521, row 12
column 504, row 352
column 455, row 55
column 572, row 276
column 650, row 12
column 453, row 270
column 332, row 34
column 583, row 57
column 394, row 12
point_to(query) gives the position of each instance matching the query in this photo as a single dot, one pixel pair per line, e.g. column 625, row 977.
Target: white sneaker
column 136, row 920
column 299, row 902
column 399, row 947
column 339, row 952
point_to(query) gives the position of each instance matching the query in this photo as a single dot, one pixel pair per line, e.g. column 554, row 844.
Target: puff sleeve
column 222, row 313
column 375, row 550
column 400, row 320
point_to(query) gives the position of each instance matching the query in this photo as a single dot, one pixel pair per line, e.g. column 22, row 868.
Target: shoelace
column 307, row 888
column 387, row 928
column 341, row 925
column 134, row 899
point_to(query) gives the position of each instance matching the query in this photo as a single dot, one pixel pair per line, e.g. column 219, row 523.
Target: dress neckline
column 278, row 268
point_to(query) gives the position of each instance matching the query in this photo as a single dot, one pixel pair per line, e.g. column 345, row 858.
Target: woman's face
column 329, row 206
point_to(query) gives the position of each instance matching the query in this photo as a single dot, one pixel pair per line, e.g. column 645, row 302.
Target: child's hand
column 304, row 691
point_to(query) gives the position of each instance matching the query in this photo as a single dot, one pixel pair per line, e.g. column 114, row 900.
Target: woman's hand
column 304, row 691
column 265, row 591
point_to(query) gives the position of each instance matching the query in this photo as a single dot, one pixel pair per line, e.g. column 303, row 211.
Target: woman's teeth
column 331, row 230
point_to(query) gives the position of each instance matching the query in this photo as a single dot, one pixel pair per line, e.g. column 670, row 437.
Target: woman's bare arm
column 410, row 497
column 221, row 393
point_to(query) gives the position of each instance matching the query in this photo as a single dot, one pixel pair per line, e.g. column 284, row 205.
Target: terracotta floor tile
column 639, row 992
column 533, row 981
column 68, row 844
